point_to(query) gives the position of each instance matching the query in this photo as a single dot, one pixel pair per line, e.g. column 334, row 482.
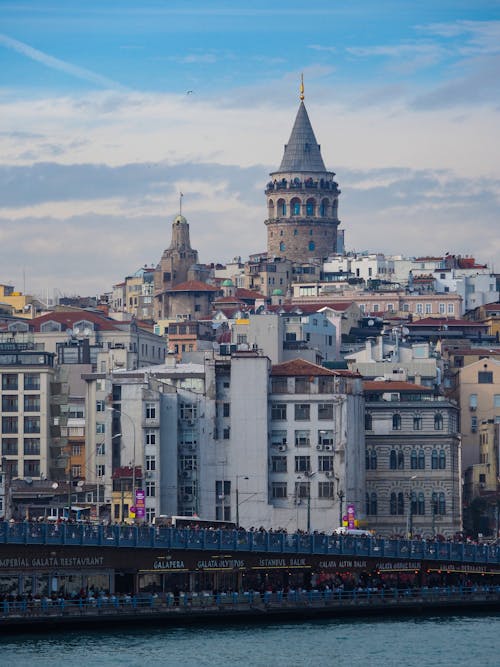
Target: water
column 448, row 642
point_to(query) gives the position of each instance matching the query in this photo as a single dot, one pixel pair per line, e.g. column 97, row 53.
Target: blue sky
column 98, row 132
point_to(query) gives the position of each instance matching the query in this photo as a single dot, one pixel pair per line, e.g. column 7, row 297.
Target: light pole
column 340, row 496
column 238, row 499
column 132, row 424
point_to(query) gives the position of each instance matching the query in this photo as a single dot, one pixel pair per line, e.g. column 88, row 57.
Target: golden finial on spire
column 302, row 87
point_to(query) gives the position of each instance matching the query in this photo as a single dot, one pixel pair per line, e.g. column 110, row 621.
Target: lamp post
column 308, row 475
column 132, row 424
column 238, row 499
column 341, row 496
column 410, row 509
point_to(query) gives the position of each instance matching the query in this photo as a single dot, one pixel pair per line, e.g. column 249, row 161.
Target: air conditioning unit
column 282, row 448
column 186, row 474
column 328, row 448
column 319, row 448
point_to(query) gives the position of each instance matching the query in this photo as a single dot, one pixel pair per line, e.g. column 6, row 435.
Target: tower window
column 311, row 245
column 282, row 247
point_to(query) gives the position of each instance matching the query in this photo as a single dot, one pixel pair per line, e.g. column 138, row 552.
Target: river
column 443, row 641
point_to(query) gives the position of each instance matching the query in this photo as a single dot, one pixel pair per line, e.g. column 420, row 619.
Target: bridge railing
column 145, row 536
column 190, row 603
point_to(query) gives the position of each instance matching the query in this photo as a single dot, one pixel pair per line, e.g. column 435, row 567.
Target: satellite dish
column 405, row 331
column 370, row 323
column 28, row 480
column 80, row 483
column 55, row 485
column 76, row 331
column 87, row 332
column 69, row 332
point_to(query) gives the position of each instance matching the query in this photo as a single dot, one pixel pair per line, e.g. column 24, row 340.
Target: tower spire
column 302, row 87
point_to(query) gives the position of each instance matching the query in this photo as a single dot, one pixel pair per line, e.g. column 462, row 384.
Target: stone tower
column 175, row 263
column 302, row 198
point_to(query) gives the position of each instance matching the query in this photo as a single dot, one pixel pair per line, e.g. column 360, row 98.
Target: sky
column 110, row 108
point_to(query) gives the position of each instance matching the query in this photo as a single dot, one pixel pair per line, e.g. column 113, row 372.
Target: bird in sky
column 189, row 92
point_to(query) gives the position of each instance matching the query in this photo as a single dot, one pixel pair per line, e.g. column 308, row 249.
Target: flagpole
column 180, row 203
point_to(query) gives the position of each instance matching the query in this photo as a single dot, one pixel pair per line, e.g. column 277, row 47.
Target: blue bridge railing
column 241, row 540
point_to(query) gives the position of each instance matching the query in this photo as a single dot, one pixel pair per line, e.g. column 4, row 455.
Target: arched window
column 396, row 422
column 434, row 460
column 282, row 247
column 295, row 232
column 413, row 459
column 18, row 326
column 323, row 208
column 401, row 460
column 310, row 207
column 401, row 503
column 417, row 423
column 393, row 504
column 413, row 501
column 311, row 245
column 393, row 461
column 367, row 503
column 295, row 206
column 373, row 459
column 368, row 422
column 271, row 208
column 371, row 503
column 50, row 325
column 438, row 422
column 442, row 503
column 421, row 504
column 442, row 460
column 421, row 460
column 282, row 206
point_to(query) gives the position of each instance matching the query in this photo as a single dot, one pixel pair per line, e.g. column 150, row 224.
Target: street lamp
column 308, row 475
column 410, row 508
column 238, row 499
column 132, row 424
column 341, row 496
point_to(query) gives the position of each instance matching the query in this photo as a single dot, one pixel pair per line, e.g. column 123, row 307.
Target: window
column 278, row 464
column 150, row 411
column 226, row 409
column 150, row 514
column 100, row 427
column 451, row 308
column 9, row 446
column 282, row 246
column 325, row 411
column 279, row 385
column 76, row 471
column 150, row 436
column 32, row 446
column 100, row 406
column 325, row 489
column 302, row 438
column 434, row 460
column 188, row 412
column 278, row 411
column 100, row 470
column 417, row 423
column 311, row 245
column 32, row 424
column 438, row 503
column 368, row 422
column 371, row 503
column 473, row 424
column 421, row 460
column 9, row 425
column 278, row 490
column 302, row 490
column 226, row 433
column 31, row 468
column 397, row 504
column 371, row 459
column 150, row 489
column 302, row 464
column 401, row 460
column 302, row 385
column 9, row 403
column 100, row 449
column 496, row 401
column 278, row 438
column 325, row 463
column 413, row 459
column 442, row 460
column 32, row 381
column 420, row 308
column 396, row 422
column 438, row 422
column 150, row 463
column 302, row 412
column 393, row 460
column 485, row 377
column 32, row 403
column 428, row 308
column 325, row 437
column 9, row 381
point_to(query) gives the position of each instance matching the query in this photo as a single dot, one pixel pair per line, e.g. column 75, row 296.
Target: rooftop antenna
column 180, row 202
column 302, row 87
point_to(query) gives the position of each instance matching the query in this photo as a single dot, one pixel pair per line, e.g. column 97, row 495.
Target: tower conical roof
column 302, row 153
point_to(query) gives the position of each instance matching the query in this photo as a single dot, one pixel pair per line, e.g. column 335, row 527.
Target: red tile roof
column 68, row 318
column 248, row 294
column 440, row 321
column 193, row 286
column 391, row 385
column 301, row 367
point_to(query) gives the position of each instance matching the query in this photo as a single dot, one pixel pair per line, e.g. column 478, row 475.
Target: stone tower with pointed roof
column 174, row 266
column 302, row 198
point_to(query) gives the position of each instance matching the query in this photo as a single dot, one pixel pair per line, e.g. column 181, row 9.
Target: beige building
column 478, row 392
